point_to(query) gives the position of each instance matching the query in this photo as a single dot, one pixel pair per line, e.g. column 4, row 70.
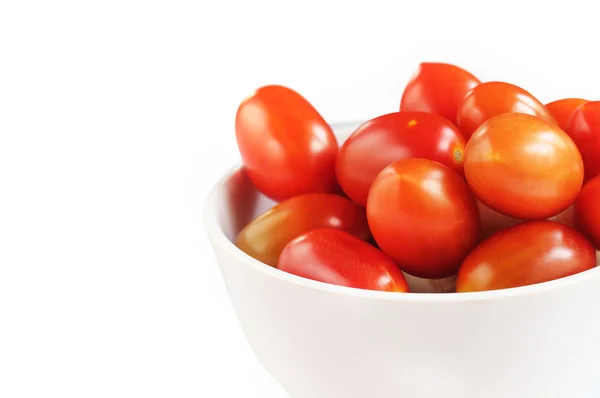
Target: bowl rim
column 218, row 237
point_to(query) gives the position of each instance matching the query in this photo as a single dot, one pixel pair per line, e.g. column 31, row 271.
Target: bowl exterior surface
column 332, row 343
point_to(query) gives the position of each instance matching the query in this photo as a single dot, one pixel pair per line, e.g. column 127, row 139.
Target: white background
column 116, row 117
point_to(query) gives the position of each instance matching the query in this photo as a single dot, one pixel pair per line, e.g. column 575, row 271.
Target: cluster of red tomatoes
column 476, row 181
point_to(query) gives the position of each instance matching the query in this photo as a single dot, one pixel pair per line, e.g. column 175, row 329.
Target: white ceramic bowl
column 325, row 341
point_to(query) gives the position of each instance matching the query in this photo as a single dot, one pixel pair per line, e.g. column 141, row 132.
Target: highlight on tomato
column 336, row 257
column 395, row 136
column 528, row 253
column 437, row 88
column 265, row 237
column 495, row 98
column 562, row 110
column 424, row 216
column 286, row 146
column 523, row 166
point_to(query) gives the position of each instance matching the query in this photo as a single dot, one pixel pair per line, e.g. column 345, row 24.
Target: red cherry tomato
column 584, row 129
column 423, row 215
column 562, row 110
column 526, row 254
column 586, row 211
column 523, row 166
column 437, row 88
column 265, row 237
column 336, row 257
column 395, row 136
column 286, row 146
column 494, row 98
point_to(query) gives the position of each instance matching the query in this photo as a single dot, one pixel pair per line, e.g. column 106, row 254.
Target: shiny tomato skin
column 286, row 146
column 423, row 215
column 528, row 253
column 562, row 110
column 339, row 258
column 584, row 129
column 391, row 137
column 494, row 98
column 586, row 211
column 523, row 166
column 265, row 237
column 437, row 88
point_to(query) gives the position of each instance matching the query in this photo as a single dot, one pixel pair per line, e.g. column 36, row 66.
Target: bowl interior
column 234, row 202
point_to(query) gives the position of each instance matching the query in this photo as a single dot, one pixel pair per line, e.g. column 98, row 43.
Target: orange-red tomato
column 523, row 166
column 391, row 137
column 584, row 129
column 562, row 110
column 423, row 215
column 494, row 98
column 339, row 258
column 526, row 254
column 586, row 211
column 265, row 237
column 437, row 88
column 286, row 146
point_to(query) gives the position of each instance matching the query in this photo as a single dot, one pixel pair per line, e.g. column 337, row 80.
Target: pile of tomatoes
column 478, row 183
